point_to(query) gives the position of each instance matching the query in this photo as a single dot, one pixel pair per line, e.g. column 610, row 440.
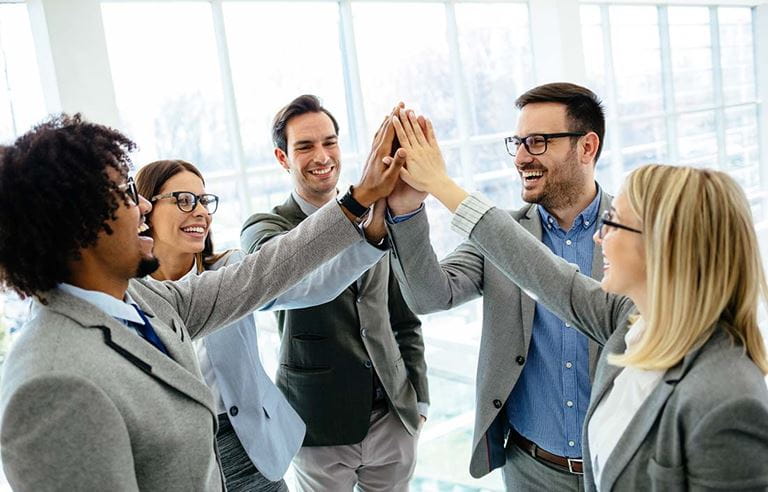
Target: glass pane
column 495, row 46
column 697, row 139
column 737, row 54
column 166, row 76
column 691, row 45
column 637, row 59
column 741, row 146
column 413, row 68
column 643, row 142
column 594, row 49
column 21, row 95
column 305, row 61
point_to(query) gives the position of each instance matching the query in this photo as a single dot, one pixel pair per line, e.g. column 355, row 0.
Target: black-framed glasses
column 130, row 190
column 187, row 201
column 535, row 143
column 606, row 221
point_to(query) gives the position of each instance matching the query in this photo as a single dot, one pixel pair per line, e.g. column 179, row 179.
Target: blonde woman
column 679, row 399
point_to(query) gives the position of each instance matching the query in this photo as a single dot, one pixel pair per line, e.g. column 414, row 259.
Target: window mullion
column 717, row 85
column 612, row 105
column 230, row 108
column 668, row 84
column 358, row 127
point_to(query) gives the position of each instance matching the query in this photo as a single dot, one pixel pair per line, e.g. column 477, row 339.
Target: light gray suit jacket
column 89, row 405
column 704, row 427
column 465, row 274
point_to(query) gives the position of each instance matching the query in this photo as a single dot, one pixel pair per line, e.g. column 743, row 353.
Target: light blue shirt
column 549, row 401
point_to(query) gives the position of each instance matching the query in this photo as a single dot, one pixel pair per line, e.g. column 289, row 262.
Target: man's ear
column 589, row 145
column 282, row 158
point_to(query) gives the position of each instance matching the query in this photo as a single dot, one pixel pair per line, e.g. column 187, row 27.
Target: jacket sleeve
column 216, row 298
column 548, row 279
column 63, row 433
column 407, row 329
column 428, row 285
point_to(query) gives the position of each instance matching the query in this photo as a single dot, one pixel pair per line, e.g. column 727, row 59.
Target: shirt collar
column 304, row 205
column 586, row 218
column 113, row 307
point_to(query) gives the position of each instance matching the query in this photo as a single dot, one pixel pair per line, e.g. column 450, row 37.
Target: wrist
column 363, row 196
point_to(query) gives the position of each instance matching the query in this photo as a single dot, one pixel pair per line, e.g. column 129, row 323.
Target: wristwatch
column 355, row 208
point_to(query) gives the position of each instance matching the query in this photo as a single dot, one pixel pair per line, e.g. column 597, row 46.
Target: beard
column 565, row 187
column 146, row 267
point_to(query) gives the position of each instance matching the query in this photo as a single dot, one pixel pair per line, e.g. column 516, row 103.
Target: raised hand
column 425, row 168
column 379, row 178
column 375, row 226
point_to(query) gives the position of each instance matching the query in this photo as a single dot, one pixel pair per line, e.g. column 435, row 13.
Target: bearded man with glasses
column 534, row 371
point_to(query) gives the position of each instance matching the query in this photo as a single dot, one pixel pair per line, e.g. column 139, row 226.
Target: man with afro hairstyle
column 102, row 390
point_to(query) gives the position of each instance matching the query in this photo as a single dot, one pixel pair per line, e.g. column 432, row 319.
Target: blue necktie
column 146, row 330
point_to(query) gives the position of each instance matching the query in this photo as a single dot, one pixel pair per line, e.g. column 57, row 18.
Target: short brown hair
column 582, row 106
column 299, row 106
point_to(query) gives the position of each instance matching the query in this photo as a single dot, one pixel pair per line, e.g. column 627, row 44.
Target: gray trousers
column 383, row 461
column 523, row 472
column 239, row 472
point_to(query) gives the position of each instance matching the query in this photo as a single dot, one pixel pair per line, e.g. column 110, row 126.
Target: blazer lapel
column 531, row 222
column 180, row 371
column 641, row 424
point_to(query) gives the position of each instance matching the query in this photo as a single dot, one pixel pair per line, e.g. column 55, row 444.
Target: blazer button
column 520, row 360
column 497, row 403
column 233, row 411
column 359, row 299
column 363, row 332
column 368, row 364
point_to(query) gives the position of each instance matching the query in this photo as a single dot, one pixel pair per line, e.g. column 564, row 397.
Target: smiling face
column 122, row 255
column 313, row 157
column 557, row 178
column 624, row 267
column 176, row 232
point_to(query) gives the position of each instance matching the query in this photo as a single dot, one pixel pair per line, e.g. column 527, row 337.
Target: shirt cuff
column 423, row 408
column 469, row 212
column 400, row 218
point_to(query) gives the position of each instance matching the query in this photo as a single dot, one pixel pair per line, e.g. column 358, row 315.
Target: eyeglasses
column 606, row 221
column 130, row 190
column 187, row 201
column 535, row 143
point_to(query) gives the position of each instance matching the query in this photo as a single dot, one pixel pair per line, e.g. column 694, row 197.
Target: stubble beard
column 565, row 190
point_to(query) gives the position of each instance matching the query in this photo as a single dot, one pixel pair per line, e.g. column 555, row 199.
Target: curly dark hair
column 56, row 196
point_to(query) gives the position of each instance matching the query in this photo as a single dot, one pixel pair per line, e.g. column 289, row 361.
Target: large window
column 679, row 85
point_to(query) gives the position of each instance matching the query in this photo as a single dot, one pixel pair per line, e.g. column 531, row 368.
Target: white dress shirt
column 615, row 411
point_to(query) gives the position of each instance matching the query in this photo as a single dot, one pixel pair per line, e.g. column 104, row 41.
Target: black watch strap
column 355, row 207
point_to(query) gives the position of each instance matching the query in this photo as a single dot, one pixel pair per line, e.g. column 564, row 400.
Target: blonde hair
column 702, row 261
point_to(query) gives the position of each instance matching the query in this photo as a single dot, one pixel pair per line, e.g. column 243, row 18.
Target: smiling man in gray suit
column 353, row 368
column 534, row 371
column 102, row 391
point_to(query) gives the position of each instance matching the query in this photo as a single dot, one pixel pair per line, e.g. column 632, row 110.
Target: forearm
column 327, row 282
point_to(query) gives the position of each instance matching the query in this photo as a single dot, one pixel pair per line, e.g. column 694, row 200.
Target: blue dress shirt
column 549, row 402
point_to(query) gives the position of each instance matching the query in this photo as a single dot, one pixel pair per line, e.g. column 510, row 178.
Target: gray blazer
column 465, row 274
column 704, row 427
column 89, row 405
column 329, row 352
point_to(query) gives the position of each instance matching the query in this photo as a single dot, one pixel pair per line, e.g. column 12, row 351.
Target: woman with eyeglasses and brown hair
column 679, row 399
column 259, row 432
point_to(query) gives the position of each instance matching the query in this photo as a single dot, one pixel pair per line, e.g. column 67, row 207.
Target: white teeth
column 143, row 227
column 321, row 172
column 532, row 174
column 194, row 229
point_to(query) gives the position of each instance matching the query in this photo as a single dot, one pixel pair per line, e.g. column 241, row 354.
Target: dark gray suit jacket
column 329, row 352
column 465, row 274
column 704, row 427
column 87, row 404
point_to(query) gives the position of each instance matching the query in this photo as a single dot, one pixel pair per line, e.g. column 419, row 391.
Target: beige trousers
column 383, row 461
